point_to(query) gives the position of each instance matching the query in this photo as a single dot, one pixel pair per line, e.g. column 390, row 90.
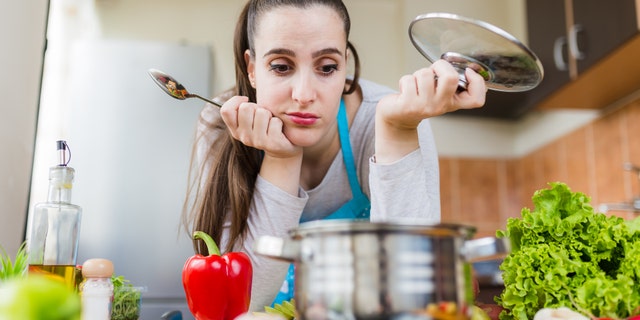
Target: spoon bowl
column 175, row 89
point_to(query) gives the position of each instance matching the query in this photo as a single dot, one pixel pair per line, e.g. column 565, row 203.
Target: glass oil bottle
column 55, row 226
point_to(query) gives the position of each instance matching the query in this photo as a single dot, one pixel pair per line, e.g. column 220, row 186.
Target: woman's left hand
column 427, row 93
column 431, row 92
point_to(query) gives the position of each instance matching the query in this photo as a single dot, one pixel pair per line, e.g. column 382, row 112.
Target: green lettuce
column 565, row 254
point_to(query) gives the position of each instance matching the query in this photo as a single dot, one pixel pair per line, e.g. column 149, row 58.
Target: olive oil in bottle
column 52, row 240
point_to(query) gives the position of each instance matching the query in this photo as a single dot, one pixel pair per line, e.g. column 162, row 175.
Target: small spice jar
column 96, row 289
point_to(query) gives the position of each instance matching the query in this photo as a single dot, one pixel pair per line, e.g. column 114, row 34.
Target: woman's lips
column 304, row 119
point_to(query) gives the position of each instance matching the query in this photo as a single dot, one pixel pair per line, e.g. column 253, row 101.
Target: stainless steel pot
column 362, row 270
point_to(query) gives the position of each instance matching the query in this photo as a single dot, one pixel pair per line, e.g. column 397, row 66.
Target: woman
column 297, row 141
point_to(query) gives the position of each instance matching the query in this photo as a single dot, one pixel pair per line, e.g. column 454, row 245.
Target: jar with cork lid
column 96, row 289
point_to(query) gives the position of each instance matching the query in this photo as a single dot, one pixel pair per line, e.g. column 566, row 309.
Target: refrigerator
column 130, row 145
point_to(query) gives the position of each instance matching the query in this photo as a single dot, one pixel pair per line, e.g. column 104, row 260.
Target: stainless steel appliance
column 130, row 147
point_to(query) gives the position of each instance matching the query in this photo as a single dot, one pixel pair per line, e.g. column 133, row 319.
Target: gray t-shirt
column 406, row 191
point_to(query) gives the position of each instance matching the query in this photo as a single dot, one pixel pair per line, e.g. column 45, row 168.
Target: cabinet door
column 547, row 39
column 605, row 25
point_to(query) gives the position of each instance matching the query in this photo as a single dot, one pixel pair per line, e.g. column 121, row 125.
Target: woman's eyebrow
column 326, row 51
column 280, row 51
column 283, row 51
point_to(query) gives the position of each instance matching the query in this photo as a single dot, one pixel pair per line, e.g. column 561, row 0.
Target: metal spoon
column 172, row 87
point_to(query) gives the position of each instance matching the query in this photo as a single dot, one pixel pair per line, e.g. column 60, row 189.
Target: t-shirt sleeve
column 408, row 190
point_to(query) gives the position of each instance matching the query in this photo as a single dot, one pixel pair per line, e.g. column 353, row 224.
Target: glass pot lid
column 505, row 63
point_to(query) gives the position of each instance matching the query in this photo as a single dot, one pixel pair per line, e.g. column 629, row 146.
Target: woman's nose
column 304, row 89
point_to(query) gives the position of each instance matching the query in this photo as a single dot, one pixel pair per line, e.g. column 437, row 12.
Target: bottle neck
column 60, row 184
column 59, row 195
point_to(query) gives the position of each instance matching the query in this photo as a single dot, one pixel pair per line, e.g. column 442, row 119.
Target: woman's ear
column 251, row 68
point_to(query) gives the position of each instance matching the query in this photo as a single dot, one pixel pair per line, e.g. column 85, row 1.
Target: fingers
column 229, row 110
column 275, row 126
column 434, row 91
column 246, row 116
column 447, row 80
column 433, row 85
column 426, row 83
column 446, row 94
column 408, row 87
column 438, row 81
column 258, row 130
column 476, row 88
column 255, row 126
column 245, row 120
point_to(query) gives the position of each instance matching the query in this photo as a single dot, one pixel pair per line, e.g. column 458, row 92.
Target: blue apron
column 357, row 208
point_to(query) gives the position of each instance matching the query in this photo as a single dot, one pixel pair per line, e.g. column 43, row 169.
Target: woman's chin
column 303, row 138
column 304, row 142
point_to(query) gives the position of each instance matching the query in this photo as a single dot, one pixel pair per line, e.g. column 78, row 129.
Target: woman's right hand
column 256, row 127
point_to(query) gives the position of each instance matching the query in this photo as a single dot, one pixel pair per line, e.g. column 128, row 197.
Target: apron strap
column 356, row 208
column 347, row 153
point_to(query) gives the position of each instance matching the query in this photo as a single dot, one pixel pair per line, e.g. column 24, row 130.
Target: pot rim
column 340, row 226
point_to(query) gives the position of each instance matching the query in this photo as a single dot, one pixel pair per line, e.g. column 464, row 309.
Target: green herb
column 126, row 300
column 16, row 268
column 565, row 254
column 287, row 309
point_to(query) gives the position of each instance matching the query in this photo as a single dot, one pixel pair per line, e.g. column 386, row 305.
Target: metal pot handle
column 489, row 248
column 277, row 248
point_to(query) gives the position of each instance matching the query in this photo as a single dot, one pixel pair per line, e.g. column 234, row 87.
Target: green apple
column 38, row 298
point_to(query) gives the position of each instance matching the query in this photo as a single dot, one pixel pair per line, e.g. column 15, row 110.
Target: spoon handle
column 216, row 103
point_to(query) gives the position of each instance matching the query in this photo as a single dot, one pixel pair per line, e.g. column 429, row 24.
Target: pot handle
column 277, row 248
column 489, row 248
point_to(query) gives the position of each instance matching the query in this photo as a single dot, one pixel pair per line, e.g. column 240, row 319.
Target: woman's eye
column 328, row 69
column 279, row 68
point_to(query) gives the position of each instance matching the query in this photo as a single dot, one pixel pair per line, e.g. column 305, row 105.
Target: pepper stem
column 212, row 247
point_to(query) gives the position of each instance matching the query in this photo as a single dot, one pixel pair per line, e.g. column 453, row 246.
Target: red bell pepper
column 218, row 287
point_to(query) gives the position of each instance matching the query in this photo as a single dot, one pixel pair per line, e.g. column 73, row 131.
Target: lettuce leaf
column 566, row 255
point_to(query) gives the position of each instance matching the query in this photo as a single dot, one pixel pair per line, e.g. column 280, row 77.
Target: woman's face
column 299, row 69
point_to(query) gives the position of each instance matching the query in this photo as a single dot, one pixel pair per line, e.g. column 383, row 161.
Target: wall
column 21, row 58
column 485, row 192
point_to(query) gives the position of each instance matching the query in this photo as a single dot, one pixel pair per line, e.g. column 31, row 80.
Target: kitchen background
column 485, row 192
column 579, row 127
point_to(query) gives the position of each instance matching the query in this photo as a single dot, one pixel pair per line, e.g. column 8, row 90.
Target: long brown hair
column 228, row 171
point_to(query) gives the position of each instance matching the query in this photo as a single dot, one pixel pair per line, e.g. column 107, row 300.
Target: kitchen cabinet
column 572, row 35
column 547, row 38
column 600, row 27
column 589, row 51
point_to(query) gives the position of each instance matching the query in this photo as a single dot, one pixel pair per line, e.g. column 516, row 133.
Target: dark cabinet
column 547, row 35
column 599, row 27
column 570, row 37
column 601, row 50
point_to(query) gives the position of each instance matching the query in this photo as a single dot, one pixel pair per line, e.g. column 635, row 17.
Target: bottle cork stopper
column 97, row 268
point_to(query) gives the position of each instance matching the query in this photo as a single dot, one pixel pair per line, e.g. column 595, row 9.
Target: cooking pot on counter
column 348, row 269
